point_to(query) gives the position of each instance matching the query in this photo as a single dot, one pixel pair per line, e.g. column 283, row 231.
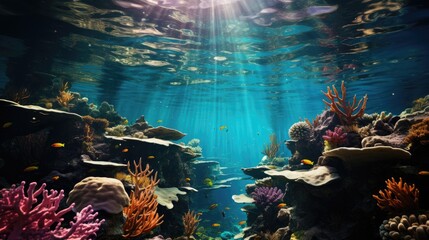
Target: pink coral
column 23, row 218
column 336, row 137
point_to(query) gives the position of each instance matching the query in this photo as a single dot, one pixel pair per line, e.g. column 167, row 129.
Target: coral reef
column 418, row 135
column 399, row 197
column 343, row 109
column 334, row 139
column 190, row 223
column 23, row 218
column 300, row 131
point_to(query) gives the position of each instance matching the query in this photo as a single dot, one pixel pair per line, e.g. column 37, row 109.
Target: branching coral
column 267, row 196
column 271, row 150
column 334, row 139
column 344, row 110
column 399, row 197
column 64, row 96
column 141, row 215
column 22, row 217
column 190, row 222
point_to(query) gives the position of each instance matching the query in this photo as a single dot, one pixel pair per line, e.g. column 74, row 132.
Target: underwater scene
column 214, row 119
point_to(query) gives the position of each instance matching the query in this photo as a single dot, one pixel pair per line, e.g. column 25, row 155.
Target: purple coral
column 336, row 137
column 23, row 218
column 267, row 196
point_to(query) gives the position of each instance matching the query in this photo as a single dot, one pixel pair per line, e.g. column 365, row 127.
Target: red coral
column 336, row 137
column 23, row 218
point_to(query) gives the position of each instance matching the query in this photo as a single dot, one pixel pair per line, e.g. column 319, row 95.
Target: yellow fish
column 159, row 121
column 424, row 173
column 55, row 178
column 307, row 162
column 223, row 127
column 242, row 222
column 187, row 179
column 215, row 225
column 57, row 145
column 208, row 182
column 150, row 157
column 8, row 124
column 281, row 205
column 213, row 206
column 31, row 168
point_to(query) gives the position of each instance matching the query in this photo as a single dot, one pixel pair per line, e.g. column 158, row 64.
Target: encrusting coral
column 405, row 227
column 344, row 110
column 399, row 197
column 141, row 215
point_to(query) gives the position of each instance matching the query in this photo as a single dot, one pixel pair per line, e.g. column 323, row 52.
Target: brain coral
column 300, row 131
column 102, row 193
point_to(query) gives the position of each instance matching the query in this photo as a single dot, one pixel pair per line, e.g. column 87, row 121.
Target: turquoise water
column 200, row 69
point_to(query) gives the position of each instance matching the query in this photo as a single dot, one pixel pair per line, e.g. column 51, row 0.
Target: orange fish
column 307, row 162
column 57, row 145
column 213, row 206
column 215, row 225
column 150, row 157
column 55, row 178
column 125, row 150
column 424, row 173
column 31, row 168
column 242, row 222
column 281, row 205
column 187, row 179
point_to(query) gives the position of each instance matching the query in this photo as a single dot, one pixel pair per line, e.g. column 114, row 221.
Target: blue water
column 202, row 69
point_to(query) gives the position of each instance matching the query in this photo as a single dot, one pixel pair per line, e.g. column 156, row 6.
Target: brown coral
column 64, row 96
column 399, row 197
column 271, row 150
column 343, row 109
column 141, row 215
column 418, row 133
column 190, row 223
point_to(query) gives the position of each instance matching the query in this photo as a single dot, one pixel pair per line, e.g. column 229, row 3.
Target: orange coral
column 64, row 97
column 341, row 107
column 190, row 222
column 418, row 133
column 399, row 197
column 141, row 215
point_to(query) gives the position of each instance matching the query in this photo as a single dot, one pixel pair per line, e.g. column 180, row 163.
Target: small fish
column 208, row 182
column 223, row 127
column 188, row 179
column 307, row 162
column 242, row 222
column 31, row 168
column 227, row 208
column 223, row 214
column 281, row 205
column 159, row 121
column 215, row 225
column 55, row 178
column 424, row 173
column 125, row 150
column 150, row 157
column 199, row 214
column 7, row 124
column 57, row 145
column 213, row 206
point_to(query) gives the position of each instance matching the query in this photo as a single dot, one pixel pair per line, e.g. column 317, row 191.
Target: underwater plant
column 399, row 197
column 141, row 215
column 300, row 131
column 65, row 96
column 345, row 111
column 418, row 134
column 267, row 196
column 22, row 217
column 271, row 150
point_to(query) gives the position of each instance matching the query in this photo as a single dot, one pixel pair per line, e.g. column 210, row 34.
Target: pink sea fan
column 336, row 137
column 22, row 217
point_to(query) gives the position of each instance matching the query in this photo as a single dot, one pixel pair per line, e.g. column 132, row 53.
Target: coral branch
column 344, row 110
